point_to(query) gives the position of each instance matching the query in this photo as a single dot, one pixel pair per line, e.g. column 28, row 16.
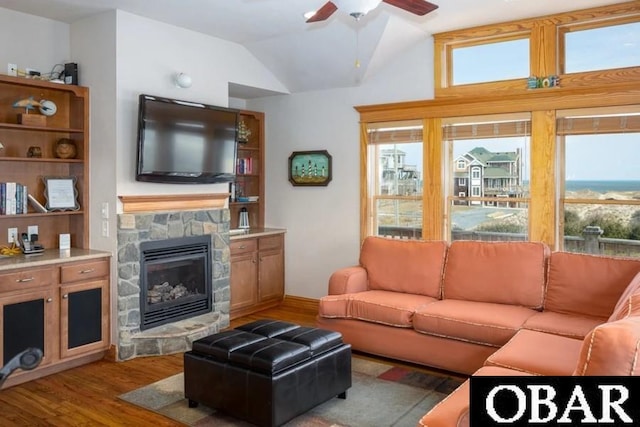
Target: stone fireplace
column 202, row 306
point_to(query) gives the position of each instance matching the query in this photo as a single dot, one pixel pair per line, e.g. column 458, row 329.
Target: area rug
column 381, row 395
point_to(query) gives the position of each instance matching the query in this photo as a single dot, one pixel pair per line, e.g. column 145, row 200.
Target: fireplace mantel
column 167, row 202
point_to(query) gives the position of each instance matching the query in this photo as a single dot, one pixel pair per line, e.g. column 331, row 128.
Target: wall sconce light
column 182, row 80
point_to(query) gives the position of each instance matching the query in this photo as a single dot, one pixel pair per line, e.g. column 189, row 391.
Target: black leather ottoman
column 267, row 372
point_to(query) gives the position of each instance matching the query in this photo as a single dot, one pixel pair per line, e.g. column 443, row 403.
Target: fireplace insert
column 175, row 280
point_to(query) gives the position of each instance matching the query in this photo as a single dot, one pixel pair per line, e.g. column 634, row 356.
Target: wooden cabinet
column 27, row 320
column 244, row 274
column 249, row 172
column 61, row 308
column 84, row 307
column 257, row 273
column 271, row 271
column 20, row 163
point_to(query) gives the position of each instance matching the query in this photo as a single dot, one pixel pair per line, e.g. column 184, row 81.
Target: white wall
column 323, row 223
column 94, row 48
column 149, row 53
column 121, row 55
column 31, row 41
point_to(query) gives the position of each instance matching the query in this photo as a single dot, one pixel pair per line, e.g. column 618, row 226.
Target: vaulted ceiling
column 313, row 56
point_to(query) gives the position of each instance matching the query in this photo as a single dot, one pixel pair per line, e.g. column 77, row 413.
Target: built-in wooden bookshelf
column 71, row 121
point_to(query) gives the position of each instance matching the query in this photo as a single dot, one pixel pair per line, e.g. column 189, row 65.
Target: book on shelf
column 13, row 198
column 244, row 165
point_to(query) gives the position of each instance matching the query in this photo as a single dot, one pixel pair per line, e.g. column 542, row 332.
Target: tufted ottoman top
column 267, row 346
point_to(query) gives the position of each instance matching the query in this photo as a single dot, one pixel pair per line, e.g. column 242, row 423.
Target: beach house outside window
column 495, row 150
column 394, row 173
column 600, row 189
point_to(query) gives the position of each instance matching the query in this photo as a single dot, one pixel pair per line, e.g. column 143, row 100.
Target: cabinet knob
column 65, row 296
column 28, row 279
column 253, row 260
column 90, row 270
column 49, row 299
column 242, row 246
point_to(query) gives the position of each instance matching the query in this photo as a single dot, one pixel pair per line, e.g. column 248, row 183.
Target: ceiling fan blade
column 418, row 7
column 324, row 12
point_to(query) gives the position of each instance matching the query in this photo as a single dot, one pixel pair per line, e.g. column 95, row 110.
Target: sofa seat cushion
column 611, row 349
column 476, row 322
column 567, row 325
column 538, row 353
column 453, row 410
column 411, row 266
column 496, row 272
column 388, row 308
column 587, row 285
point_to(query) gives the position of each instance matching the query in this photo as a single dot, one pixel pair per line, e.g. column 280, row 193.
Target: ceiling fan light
column 310, row 14
column 359, row 7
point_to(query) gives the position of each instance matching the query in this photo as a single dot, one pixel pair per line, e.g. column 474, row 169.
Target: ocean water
column 602, row 186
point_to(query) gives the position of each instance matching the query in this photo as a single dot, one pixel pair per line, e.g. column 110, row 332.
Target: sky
column 587, row 157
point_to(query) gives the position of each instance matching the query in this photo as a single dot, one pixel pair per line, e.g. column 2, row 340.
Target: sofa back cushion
column 410, row 266
column 629, row 302
column 496, row 272
column 587, row 284
column 611, row 349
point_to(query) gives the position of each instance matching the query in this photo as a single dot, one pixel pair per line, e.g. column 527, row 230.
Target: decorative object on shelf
column 243, row 221
column 26, row 118
column 36, row 204
column 34, row 151
column 61, row 193
column 66, row 149
column 48, row 108
column 243, row 132
column 182, row 80
column 310, row 168
column 534, row 82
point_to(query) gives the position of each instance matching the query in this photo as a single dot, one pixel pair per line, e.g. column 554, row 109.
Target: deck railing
column 590, row 242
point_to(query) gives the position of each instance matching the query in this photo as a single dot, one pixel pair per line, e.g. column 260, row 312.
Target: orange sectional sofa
column 487, row 308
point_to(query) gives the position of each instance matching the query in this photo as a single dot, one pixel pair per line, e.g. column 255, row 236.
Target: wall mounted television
column 185, row 142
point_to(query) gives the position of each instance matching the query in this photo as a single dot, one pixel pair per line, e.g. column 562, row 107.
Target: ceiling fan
column 359, row 8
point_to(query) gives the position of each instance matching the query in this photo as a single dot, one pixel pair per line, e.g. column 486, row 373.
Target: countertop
column 257, row 232
column 48, row 257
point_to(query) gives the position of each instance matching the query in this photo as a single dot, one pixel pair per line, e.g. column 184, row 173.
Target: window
column 394, row 179
column 496, row 148
column 601, row 48
column 481, row 59
column 548, row 128
column 601, row 185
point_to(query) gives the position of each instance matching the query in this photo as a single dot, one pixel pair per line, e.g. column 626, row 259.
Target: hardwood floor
column 88, row 395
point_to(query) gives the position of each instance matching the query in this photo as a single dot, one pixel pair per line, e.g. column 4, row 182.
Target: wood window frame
column 546, row 43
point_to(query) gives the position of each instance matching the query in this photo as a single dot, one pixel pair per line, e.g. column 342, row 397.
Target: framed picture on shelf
column 310, row 168
column 60, row 193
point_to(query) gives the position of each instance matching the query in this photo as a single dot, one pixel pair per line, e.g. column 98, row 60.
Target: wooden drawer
column 243, row 246
column 84, row 271
column 29, row 278
column 271, row 242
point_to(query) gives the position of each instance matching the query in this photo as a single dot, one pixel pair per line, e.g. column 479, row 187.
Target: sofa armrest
column 348, row 280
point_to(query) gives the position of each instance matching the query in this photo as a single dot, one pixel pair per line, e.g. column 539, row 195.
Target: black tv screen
column 185, row 142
